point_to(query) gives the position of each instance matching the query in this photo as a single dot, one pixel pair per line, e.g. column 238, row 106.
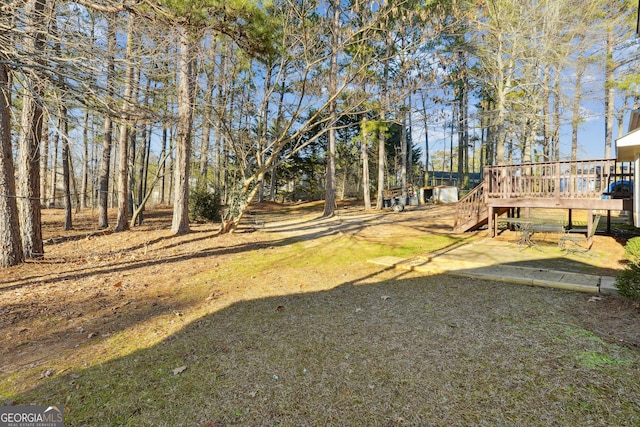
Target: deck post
column 590, row 229
column 556, row 190
column 490, row 222
column 636, row 192
column 570, row 225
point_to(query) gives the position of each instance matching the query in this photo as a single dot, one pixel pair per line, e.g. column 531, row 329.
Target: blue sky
column 591, row 135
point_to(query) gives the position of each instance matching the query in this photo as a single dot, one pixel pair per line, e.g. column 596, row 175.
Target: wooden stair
column 472, row 211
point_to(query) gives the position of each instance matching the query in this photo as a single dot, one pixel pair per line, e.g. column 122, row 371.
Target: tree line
column 108, row 103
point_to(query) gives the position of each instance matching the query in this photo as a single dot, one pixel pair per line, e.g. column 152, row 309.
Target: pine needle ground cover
column 274, row 328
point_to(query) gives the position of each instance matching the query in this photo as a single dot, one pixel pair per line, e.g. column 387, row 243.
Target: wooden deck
column 563, row 185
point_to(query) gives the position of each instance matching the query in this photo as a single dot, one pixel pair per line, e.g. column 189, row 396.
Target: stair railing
column 471, row 208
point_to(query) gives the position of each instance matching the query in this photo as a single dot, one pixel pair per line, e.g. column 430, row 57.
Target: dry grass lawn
column 285, row 323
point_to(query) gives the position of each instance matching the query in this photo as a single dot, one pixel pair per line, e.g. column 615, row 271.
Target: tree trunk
column 122, row 223
column 72, row 178
column 381, row 160
column 133, row 147
column 206, row 120
column 498, row 122
column 131, row 159
column 264, row 131
column 204, row 143
column 455, row 113
column 577, row 90
column 105, row 160
column 425, row 123
column 84, row 187
column 11, row 253
column 123, row 177
column 557, row 106
column 409, row 119
column 137, row 216
column 220, row 146
column 384, row 98
column 274, row 170
column 464, row 126
column 147, row 192
column 403, row 152
column 44, row 171
column 66, row 180
column 54, row 171
column 142, row 163
column 609, row 97
column 546, row 113
column 31, row 134
column 366, row 180
column 330, row 184
column 180, row 223
column 172, row 162
column 163, row 163
column 63, row 131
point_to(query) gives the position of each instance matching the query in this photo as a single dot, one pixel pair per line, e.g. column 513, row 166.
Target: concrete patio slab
column 490, row 262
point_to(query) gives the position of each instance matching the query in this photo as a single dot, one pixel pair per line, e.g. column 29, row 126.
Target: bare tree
column 207, row 111
column 125, row 126
column 580, row 68
column 31, row 131
column 105, row 159
column 618, row 23
column 180, row 223
column 384, row 101
column 366, row 139
column 330, row 185
column 10, row 242
column 63, row 129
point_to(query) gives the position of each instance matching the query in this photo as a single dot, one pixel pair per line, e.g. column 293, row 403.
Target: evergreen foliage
column 204, row 205
column 632, row 250
column 628, row 281
column 246, row 22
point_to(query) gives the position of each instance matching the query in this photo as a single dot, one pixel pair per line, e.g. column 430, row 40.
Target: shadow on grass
column 117, row 292
column 87, row 271
column 313, row 228
column 390, row 348
column 305, row 230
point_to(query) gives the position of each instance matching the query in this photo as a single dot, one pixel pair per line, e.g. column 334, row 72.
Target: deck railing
column 570, row 179
column 471, row 208
column 582, row 179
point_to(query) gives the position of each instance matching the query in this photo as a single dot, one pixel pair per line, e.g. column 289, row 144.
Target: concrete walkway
column 507, row 262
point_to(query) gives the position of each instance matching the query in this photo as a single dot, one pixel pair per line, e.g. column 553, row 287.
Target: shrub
column 632, row 250
column 628, row 282
column 204, row 205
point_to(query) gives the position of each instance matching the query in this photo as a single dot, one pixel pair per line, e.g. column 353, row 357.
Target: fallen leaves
column 47, row 373
column 179, row 370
